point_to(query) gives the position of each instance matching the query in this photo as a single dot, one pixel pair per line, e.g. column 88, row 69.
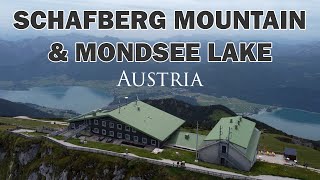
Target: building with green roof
column 185, row 140
column 135, row 123
column 232, row 142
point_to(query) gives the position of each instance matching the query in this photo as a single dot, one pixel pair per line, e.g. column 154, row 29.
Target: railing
column 56, row 133
column 76, row 131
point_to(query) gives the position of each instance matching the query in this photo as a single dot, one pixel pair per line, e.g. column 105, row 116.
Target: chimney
column 231, row 121
column 126, row 98
column 236, row 127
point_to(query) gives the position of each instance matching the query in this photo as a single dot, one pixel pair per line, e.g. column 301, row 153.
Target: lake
column 82, row 99
column 293, row 121
column 79, row 99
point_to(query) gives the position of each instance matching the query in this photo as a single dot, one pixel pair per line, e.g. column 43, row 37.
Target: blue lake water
column 82, row 99
column 292, row 121
column 79, row 99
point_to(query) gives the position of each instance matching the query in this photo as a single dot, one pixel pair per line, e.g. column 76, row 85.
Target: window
column 127, row 136
column 133, row 130
column 111, row 133
column 128, row 128
column 119, row 126
column 111, row 125
column 104, row 124
column 136, row 139
column 73, row 125
column 96, row 122
column 153, row 142
column 144, row 140
column 96, row 130
column 119, row 135
column 104, row 132
column 224, row 149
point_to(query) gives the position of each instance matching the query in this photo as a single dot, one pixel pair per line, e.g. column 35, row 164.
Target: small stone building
column 233, row 142
column 290, row 153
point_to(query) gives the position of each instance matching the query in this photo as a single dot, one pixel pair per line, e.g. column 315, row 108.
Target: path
column 55, row 122
column 278, row 159
column 167, row 162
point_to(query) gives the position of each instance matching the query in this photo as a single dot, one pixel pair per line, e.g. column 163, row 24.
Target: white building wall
column 240, row 160
column 211, row 152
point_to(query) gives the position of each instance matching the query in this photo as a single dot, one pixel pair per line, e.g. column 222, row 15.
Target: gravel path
column 168, row 162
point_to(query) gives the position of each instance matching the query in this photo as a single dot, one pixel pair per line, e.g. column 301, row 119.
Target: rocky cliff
column 37, row 158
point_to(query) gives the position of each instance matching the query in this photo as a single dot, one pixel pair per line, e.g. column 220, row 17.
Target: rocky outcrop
column 118, row 173
column 63, row 175
column 33, row 176
column 34, row 158
column 46, row 171
column 27, row 156
column 46, row 152
column 2, row 154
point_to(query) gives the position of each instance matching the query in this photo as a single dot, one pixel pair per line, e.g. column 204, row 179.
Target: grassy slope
column 305, row 154
column 76, row 162
column 31, row 124
column 237, row 105
column 260, row 168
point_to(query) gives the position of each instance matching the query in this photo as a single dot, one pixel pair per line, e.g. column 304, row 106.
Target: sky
column 312, row 7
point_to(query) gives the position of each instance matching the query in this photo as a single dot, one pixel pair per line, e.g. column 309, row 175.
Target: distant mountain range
column 292, row 80
column 13, row 109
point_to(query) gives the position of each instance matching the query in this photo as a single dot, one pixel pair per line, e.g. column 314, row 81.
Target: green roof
column 143, row 117
column 240, row 134
column 253, row 144
column 179, row 139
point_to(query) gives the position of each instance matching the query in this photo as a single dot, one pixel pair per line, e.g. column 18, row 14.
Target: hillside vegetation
column 12, row 109
column 207, row 116
column 36, row 158
column 277, row 143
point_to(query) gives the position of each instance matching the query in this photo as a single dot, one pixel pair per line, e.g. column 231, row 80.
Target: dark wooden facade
column 107, row 126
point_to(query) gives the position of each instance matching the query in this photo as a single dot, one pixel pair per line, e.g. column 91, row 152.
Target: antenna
column 137, row 99
column 220, row 132
column 229, row 134
column 197, row 141
column 119, row 106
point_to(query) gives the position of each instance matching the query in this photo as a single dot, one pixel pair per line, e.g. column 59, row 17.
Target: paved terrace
column 167, row 162
column 279, row 159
